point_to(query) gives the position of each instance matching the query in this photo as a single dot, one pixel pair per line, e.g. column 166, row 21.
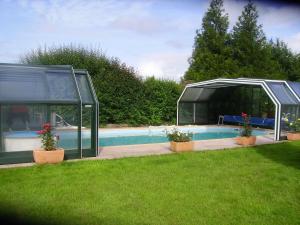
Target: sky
column 154, row 36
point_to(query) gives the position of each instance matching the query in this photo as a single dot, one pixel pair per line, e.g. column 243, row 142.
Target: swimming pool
column 131, row 136
column 158, row 135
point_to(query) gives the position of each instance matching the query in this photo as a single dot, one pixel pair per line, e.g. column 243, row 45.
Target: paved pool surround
column 115, row 152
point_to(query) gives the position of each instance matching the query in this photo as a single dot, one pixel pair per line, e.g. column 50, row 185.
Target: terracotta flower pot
column 42, row 156
column 182, row 146
column 293, row 136
column 245, row 141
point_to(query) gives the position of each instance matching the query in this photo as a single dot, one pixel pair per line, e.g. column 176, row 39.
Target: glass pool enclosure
column 270, row 103
column 32, row 95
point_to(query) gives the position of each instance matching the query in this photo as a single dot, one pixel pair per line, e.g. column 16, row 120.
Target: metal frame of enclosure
column 31, row 95
column 285, row 96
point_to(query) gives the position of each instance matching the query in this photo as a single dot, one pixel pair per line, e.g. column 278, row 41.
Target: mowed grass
column 259, row 185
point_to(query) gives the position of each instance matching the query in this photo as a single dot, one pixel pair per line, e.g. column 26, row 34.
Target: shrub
column 246, row 131
column 161, row 100
column 295, row 126
column 124, row 98
column 119, row 90
column 177, row 136
column 48, row 142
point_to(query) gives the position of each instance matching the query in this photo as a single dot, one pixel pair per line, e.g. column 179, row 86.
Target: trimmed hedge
column 124, row 97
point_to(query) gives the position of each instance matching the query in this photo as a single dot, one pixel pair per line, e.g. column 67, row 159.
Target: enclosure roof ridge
column 20, row 65
column 81, row 71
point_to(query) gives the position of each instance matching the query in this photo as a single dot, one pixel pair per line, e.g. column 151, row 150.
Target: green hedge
column 124, row 97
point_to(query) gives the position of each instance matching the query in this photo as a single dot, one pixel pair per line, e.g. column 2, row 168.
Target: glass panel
column 87, row 111
column 191, row 94
column 24, row 83
column 185, row 113
column 20, row 123
column 201, row 113
column 84, row 88
column 197, row 94
column 296, row 87
column 281, row 91
column 65, row 120
column 19, row 126
column 61, row 85
column 288, row 116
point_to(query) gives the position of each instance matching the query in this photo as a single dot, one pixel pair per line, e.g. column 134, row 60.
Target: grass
column 259, row 185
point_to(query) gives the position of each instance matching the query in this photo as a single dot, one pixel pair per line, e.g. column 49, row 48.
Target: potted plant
column 246, row 137
column 180, row 141
column 49, row 152
column 294, row 133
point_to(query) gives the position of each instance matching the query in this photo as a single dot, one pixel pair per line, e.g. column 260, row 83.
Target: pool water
column 160, row 137
column 115, row 137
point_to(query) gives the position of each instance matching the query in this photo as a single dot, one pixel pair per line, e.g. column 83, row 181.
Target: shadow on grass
column 287, row 154
column 10, row 216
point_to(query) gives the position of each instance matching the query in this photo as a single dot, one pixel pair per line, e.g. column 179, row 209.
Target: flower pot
column 182, row 146
column 42, row 156
column 293, row 136
column 245, row 141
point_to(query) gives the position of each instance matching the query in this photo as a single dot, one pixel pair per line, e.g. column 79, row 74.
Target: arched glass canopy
column 267, row 100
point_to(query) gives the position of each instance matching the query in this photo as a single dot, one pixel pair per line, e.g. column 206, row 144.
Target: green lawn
column 258, row 185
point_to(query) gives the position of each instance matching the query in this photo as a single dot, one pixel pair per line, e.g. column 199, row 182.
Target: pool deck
column 115, row 152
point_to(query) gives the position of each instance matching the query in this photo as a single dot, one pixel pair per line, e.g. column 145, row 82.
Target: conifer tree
column 211, row 56
column 250, row 49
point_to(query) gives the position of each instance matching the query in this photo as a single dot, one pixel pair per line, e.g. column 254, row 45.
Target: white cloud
column 151, row 35
column 234, row 9
column 177, row 44
column 169, row 65
column 278, row 17
column 130, row 15
column 293, row 42
column 270, row 15
column 144, row 25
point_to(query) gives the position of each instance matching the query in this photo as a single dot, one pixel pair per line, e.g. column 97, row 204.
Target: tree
column 119, row 90
column 295, row 76
column 211, row 56
column 285, row 58
column 123, row 96
column 250, row 48
column 161, row 103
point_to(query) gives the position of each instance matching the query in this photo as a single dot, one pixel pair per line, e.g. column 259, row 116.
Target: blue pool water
column 68, row 139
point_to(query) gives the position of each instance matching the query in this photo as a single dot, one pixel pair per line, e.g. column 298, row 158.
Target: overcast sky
column 154, row 36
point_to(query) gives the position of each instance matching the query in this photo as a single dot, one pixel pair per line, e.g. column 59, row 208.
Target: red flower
column 47, row 126
column 40, row 132
column 244, row 114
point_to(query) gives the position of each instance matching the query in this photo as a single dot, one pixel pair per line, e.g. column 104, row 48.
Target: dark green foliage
column 286, row 60
column 212, row 53
column 244, row 52
column 118, row 89
column 296, row 68
column 250, row 48
column 248, row 42
column 162, row 96
column 123, row 96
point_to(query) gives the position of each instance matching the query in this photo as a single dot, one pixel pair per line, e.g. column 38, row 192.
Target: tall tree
column 211, row 54
column 250, row 48
column 285, row 58
column 296, row 68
